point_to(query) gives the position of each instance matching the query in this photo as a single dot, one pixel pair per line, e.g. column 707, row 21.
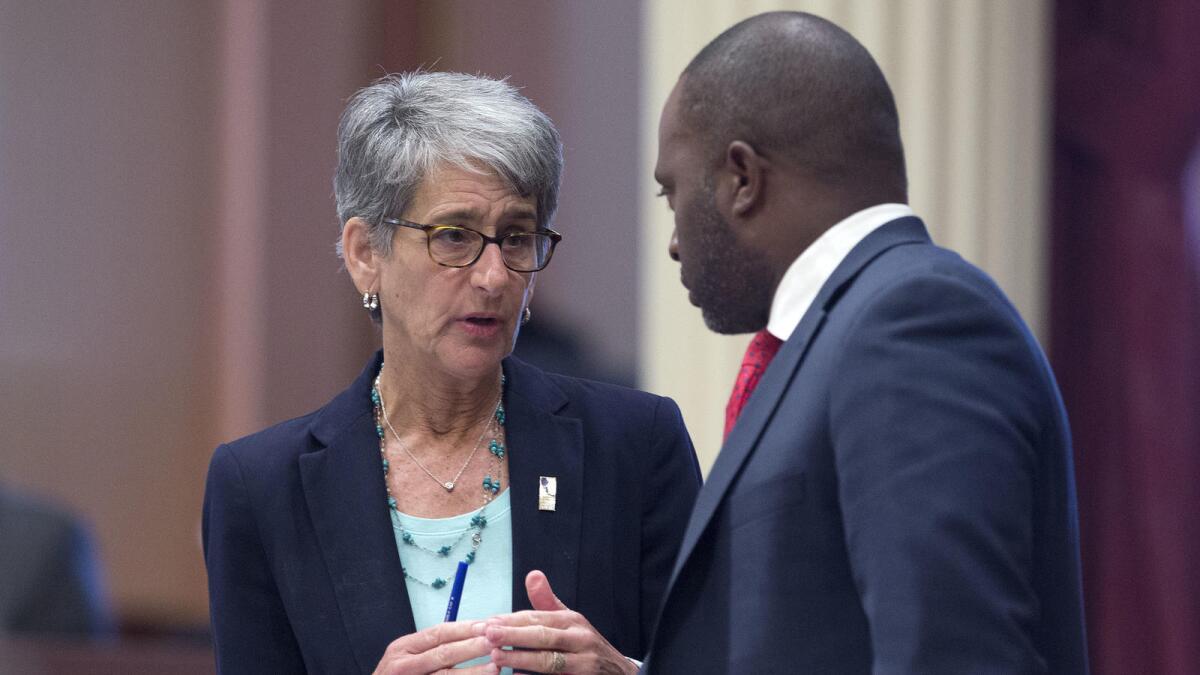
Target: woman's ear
column 744, row 179
column 362, row 261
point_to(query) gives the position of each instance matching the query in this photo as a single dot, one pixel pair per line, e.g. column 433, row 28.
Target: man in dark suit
column 50, row 580
column 897, row 496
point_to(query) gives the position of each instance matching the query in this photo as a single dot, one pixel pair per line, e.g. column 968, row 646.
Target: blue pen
column 456, row 592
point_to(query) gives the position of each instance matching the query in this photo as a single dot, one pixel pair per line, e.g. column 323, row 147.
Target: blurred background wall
column 1125, row 302
column 167, row 276
column 109, row 192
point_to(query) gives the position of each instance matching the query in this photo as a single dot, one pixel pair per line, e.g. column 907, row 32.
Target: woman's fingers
column 563, row 618
column 424, row 640
column 484, row 669
column 551, row 638
column 450, row 654
column 541, row 596
column 542, row 661
column 563, row 630
column 537, row 637
column 435, row 649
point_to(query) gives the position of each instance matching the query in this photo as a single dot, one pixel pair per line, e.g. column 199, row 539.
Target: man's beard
column 730, row 283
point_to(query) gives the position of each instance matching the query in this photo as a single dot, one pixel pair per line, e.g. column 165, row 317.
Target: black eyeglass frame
column 555, row 237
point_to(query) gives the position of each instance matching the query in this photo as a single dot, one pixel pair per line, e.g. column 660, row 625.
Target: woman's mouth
column 480, row 326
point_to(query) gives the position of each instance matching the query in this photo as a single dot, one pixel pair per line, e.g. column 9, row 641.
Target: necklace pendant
column 449, row 486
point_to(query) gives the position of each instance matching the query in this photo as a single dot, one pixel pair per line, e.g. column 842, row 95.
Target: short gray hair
column 394, row 132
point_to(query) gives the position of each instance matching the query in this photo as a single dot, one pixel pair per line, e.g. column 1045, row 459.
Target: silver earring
column 370, row 301
column 526, row 316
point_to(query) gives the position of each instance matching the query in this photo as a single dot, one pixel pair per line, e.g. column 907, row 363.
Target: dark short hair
column 800, row 87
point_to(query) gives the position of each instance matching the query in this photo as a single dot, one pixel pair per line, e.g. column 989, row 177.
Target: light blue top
column 488, row 588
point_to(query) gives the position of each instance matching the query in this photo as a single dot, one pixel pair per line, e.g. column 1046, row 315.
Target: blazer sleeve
column 251, row 632
column 670, row 491
column 936, row 420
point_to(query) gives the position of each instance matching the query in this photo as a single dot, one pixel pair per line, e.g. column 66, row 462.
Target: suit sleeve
column 251, row 632
column 671, row 488
column 936, row 418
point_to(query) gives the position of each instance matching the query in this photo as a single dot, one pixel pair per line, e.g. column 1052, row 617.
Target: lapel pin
column 547, row 493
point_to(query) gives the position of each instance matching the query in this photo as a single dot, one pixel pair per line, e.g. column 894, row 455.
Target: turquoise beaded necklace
column 491, row 486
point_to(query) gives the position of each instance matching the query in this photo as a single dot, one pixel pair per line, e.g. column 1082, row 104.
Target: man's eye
column 662, row 192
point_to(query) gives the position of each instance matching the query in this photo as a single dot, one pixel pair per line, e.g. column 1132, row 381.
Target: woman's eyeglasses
column 457, row 246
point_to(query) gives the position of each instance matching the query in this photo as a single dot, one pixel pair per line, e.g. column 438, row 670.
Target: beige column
column 241, row 220
column 970, row 79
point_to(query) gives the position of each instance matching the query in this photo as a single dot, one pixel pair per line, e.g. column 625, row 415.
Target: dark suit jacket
column 303, row 569
column 897, row 496
column 50, row 578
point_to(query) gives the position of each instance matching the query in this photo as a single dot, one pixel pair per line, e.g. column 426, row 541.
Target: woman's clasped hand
column 437, row 649
column 551, row 638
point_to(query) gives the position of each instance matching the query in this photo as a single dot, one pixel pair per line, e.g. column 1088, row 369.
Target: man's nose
column 673, row 247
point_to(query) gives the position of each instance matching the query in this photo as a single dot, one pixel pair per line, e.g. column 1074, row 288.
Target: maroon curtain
column 1125, row 320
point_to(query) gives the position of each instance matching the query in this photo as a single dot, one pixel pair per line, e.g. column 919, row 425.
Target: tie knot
column 762, row 348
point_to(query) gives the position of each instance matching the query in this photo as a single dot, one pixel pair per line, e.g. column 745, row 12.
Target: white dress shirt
column 809, row 272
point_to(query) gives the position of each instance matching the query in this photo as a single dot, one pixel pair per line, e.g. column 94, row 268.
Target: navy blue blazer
column 898, row 495
column 302, row 563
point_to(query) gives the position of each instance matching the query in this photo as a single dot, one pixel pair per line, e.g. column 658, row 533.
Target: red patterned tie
column 762, row 349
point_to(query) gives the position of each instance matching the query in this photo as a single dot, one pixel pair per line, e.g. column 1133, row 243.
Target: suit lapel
column 344, row 490
column 744, row 437
column 542, row 443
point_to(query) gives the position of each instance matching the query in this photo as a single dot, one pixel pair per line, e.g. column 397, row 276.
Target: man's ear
column 742, row 185
column 362, row 261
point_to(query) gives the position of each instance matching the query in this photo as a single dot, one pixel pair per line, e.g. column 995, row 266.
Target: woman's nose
column 489, row 271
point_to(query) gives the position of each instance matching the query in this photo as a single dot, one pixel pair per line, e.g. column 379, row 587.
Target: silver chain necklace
column 448, row 486
column 490, row 485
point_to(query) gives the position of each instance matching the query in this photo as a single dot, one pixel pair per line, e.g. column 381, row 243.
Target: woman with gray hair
column 332, row 540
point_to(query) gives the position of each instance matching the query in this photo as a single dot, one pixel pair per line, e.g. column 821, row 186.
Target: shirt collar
column 809, row 272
